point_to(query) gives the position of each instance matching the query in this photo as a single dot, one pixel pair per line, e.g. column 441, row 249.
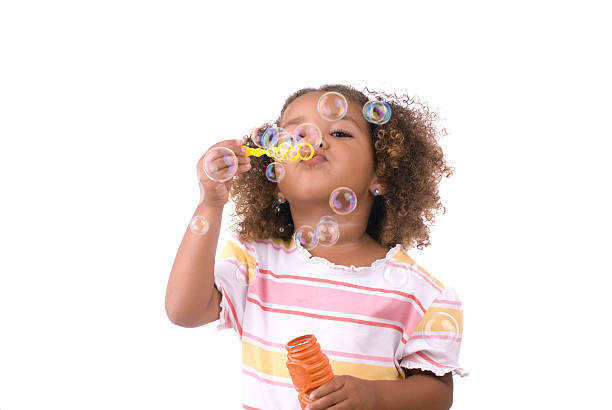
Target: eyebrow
column 301, row 119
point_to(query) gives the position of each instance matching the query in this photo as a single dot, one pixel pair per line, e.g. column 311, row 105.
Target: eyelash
column 346, row 133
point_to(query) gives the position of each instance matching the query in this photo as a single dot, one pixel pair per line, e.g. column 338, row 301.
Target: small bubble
column 246, row 273
column 395, row 277
column 441, row 330
column 343, row 200
column 328, row 231
column 332, row 106
column 220, row 164
column 376, row 112
column 306, row 236
column 275, row 172
column 199, row 225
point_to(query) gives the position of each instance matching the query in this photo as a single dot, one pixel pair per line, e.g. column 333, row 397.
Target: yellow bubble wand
column 292, row 153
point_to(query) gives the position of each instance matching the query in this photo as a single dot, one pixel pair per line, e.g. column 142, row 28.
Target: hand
column 344, row 393
column 216, row 193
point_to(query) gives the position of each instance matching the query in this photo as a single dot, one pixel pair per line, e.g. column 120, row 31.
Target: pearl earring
column 376, row 191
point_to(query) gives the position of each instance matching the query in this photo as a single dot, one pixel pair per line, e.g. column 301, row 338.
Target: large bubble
column 332, row 106
column 220, row 164
column 343, row 200
column 308, row 132
column 275, row 172
column 376, row 112
column 441, row 329
column 306, row 235
column 199, row 225
column 328, row 231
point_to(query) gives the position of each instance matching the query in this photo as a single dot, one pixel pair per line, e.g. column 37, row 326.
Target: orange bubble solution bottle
column 308, row 366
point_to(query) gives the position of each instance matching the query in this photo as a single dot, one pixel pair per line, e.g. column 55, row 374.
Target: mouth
column 317, row 158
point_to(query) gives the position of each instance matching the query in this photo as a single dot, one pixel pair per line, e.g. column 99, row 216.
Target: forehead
column 307, row 105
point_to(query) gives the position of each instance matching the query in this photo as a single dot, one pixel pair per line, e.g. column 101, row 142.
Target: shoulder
column 235, row 246
column 399, row 255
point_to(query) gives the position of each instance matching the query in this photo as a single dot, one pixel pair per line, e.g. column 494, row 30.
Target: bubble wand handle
column 253, row 152
column 308, row 366
column 283, row 151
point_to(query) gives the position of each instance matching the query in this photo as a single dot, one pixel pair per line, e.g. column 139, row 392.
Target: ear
column 375, row 184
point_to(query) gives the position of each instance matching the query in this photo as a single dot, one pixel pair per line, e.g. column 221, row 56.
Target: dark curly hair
column 409, row 164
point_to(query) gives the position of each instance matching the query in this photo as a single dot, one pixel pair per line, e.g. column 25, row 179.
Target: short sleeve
column 234, row 268
column 435, row 343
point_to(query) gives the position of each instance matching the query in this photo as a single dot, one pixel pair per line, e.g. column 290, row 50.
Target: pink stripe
column 326, row 317
column 305, row 296
column 244, row 406
column 272, row 382
column 264, row 341
column 456, row 338
column 239, row 328
column 429, row 360
column 425, row 277
column 447, row 302
column 359, row 356
column 344, row 284
column 329, row 352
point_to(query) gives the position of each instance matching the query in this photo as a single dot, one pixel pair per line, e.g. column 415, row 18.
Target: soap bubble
column 332, row 106
column 272, row 136
column 199, row 225
column 308, row 132
column 285, row 144
column 441, row 330
column 220, row 164
column 256, row 136
column 343, row 200
column 246, row 273
column 305, row 151
column 306, row 236
column 202, row 192
column 376, row 112
column 275, row 172
column 394, row 276
column 328, row 231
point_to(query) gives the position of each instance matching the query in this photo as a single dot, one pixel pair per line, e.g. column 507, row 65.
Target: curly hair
column 408, row 162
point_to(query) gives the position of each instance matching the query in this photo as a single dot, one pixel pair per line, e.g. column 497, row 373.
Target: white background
column 106, row 106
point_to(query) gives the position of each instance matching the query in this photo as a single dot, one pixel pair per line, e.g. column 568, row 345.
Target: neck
column 353, row 236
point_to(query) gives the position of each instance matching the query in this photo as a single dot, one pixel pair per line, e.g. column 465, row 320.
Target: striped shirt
column 370, row 321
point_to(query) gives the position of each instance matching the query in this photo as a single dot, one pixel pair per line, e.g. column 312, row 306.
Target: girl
column 390, row 329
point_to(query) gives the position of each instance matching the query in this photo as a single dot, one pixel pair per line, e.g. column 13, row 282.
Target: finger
column 329, row 401
column 236, row 146
column 329, row 387
column 343, row 405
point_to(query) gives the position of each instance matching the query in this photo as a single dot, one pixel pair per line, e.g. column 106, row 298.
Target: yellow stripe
column 274, row 364
column 437, row 325
column 403, row 257
column 234, row 250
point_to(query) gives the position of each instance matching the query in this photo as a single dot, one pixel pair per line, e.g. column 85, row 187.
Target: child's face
column 346, row 156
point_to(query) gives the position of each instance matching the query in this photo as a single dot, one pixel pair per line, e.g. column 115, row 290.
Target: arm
column 191, row 296
column 419, row 391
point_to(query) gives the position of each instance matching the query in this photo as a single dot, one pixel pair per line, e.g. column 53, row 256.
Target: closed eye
column 341, row 134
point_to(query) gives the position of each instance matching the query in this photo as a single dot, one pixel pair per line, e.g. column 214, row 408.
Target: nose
column 324, row 144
